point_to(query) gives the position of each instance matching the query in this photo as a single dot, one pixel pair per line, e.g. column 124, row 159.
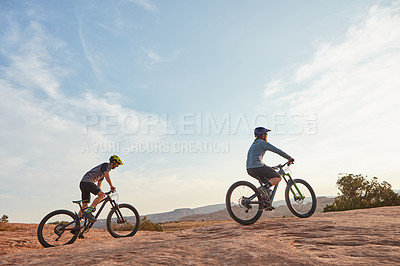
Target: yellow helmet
column 115, row 158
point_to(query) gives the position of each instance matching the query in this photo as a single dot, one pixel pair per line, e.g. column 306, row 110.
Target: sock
column 268, row 185
column 89, row 209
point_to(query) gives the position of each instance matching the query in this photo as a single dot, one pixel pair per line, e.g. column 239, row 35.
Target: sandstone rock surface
column 357, row 237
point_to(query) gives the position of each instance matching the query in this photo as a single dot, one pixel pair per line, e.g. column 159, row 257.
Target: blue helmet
column 259, row 131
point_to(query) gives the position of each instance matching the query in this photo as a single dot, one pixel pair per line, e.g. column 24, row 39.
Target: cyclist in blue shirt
column 255, row 167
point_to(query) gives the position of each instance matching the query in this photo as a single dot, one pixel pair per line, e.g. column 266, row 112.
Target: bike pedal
column 81, row 236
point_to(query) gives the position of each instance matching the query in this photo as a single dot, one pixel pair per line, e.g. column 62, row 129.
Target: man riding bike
column 88, row 185
column 256, row 168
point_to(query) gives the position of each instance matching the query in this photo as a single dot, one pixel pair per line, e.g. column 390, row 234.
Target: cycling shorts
column 263, row 174
column 87, row 188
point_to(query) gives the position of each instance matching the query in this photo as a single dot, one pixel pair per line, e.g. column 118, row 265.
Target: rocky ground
column 357, row 237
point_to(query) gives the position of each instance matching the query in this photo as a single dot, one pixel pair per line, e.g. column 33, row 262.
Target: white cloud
column 153, row 56
column 94, row 58
column 146, row 4
column 152, row 59
column 272, row 88
column 375, row 35
column 31, row 63
column 353, row 87
column 43, row 128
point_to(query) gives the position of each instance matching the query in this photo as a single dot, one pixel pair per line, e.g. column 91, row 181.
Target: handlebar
column 280, row 166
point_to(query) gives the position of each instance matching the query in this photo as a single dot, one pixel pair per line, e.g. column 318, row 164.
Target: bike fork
column 298, row 190
column 296, row 187
column 120, row 218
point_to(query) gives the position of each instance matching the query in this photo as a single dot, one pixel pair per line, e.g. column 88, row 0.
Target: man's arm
column 274, row 149
column 108, row 179
column 99, row 183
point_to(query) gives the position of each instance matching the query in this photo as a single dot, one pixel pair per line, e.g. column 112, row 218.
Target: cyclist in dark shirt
column 88, row 185
column 255, row 167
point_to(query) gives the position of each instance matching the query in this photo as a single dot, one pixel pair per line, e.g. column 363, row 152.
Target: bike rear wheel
column 300, row 198
column 243, row 202
column 123, row 221
column 55, row 229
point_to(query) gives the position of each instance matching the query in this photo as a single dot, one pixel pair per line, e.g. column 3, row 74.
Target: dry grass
column 9, row 227
column 176, row 226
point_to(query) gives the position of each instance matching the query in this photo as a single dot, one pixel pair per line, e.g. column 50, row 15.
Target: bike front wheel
column 58, row 228
column 243, row 202
column 300, row 198
column 123, row 221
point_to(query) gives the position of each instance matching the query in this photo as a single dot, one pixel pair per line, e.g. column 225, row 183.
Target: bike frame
column 105, row 200
column 88, row 224
column 287, row 177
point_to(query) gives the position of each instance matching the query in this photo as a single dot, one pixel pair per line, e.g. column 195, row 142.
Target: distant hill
column 171, row 216
column 175, row 215
column 280, row 211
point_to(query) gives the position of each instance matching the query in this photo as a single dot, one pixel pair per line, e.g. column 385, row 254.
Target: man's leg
column 271, row 175
column 275, row 180
column 91, row 188
column 266, row 173
column 88, row 212
column 97, row 200
column 85, row 196
column 84, row 206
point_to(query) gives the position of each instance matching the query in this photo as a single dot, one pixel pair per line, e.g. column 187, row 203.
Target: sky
column 175, row 88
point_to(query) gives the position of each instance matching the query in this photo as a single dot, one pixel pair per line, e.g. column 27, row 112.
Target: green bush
column 4, row 219
column 359, row 193
column 147, row 225
column 124, row 227
column 59, row 222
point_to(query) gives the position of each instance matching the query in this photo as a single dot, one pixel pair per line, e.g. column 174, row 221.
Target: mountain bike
column 245, row 202
column 62, row 227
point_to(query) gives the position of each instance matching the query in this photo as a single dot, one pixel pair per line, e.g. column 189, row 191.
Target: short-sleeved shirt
column 257, row 151
column 97, row 173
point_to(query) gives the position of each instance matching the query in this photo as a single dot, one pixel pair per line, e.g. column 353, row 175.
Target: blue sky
column 176, row 87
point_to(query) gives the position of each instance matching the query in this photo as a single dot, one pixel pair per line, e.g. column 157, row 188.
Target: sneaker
column 89, row 216
column 268, row 207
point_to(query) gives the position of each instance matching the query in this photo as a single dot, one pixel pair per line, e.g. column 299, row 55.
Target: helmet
column 115, row 158
column 259, row 131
